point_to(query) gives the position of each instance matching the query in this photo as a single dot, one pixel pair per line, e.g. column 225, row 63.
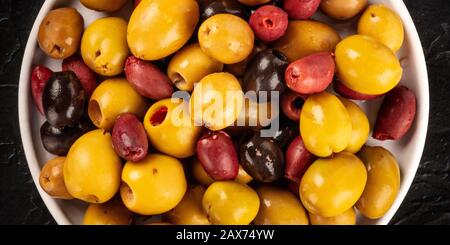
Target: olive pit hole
column 95, row 113
column 98, row 53
column 178, row 80
column 268, row 23
column 159, row 116
column 298, row 103
column 127, row 193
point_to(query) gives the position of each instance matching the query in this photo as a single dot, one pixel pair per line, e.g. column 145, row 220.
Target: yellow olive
column 60, row 33
column 51, row 179
column 226, row 38
column 306, row 37
column 346, row 218
column 342, row 9
column 217, row 101
column 367, row 66
column 253, row 2
column 360, row 126
column 189, row 211
column 110, row 213
column 154, row 185
column 104, row 5
column 189, row 66
column 230, row 203
column 199, row 173
column 112, row 98
column 325, row 125
column 92, row 168
column 383, row 24
column 158, row 28
column 333, row 185
column 383, row 182
column 279, row 207
column 104, row 46
column 170, row 128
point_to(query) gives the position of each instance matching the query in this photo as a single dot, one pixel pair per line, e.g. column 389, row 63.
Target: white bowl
column 408, row 151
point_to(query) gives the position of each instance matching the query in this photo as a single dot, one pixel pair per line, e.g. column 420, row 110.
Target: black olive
column 58, row 141
column 286, row 133
column 265, row 73
column 262, row 158
column 64, row 100
column 213, row 7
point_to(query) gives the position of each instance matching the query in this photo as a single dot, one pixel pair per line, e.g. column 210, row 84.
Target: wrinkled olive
column 129, row 138
column 209, row 8
column 64, row 100
column 265, row 73
column 51, row 179
column 58, row 141
column 262, row 158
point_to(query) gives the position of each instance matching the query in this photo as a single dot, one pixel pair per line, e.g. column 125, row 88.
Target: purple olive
column 218, row 156
column 298, row 160
column 129, row 138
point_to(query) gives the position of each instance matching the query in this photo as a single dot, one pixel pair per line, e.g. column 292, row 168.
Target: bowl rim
column 25, row 103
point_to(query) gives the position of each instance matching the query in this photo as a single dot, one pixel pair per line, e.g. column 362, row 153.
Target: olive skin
column 51, row 179
column 189, row 211
column 64, row 100
column 129, row 138
column 104, row 5
column 265, row 73
column 87, row 77
column 291, row 104
column 39, row 77
column 298, row 160
column 285, row 134
column 60, row 33
column 58, row 141
column 262, row 158
column 346, row 218
column 342, row 9
column 209, row 8
column 159, row 28
column 110, row 213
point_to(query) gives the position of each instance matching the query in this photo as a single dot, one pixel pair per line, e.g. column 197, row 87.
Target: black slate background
column 428, row 201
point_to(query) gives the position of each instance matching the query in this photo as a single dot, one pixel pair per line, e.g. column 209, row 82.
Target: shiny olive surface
column 64, row 100
column 285, row 134
column 346, row 218
column 58, row 141
column 262, row 158
column 265, row 73
column 209, row 8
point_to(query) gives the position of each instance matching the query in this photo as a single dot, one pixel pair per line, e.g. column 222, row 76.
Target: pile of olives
column 125, row 147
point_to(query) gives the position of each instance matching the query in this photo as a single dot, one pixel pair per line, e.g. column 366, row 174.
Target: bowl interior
column 408, row 151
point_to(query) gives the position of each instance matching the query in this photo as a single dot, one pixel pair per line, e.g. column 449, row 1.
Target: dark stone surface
column 428, row 201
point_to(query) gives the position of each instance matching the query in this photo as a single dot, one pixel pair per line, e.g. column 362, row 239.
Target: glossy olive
column 189, row 211
column 104, row 5
column 360, row 126
column 209, row 8
column 298, row 160
column 285, row 134
column 301, row 9
column 383, row 182
column 226, row 38
column 112, row 98
column 129, row 138
column 58, row 141
column 87, row 77
column 104, row 46
column 51, row 179
column 170, row 128
column 265, row 73
column 110, row 213
column 189, row 66
column 291, row 104
column 382, row 23
column 238, row 69
column 92, row 168
column 154, row 185
column 60, row 33
column 306, row 37
column 218, row 156
column 345, row 92
column 158, row 28
column 342, row 9
column 279, row 207
column 346, row 218
column 230, row 203
column 333, row 185
column 262, row 158
column 64, row 100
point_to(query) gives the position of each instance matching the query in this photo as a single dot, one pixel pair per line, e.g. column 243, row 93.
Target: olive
column 64, row 100
column 209, row 8
column 286, row 133
column 265, row 73
column 262, row 158
column 58, row 141
column 51, row 179
column 129, row 138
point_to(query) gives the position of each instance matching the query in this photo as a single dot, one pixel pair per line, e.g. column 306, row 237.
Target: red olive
column 129, row 138
column 298, row 159
column 345, row 92
column 301, row 9
column 147, row 79
column 311, row 74
column 87, row 77
column 39, row 77
column 396, row 114
column 291, row 104
column 269, row 23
